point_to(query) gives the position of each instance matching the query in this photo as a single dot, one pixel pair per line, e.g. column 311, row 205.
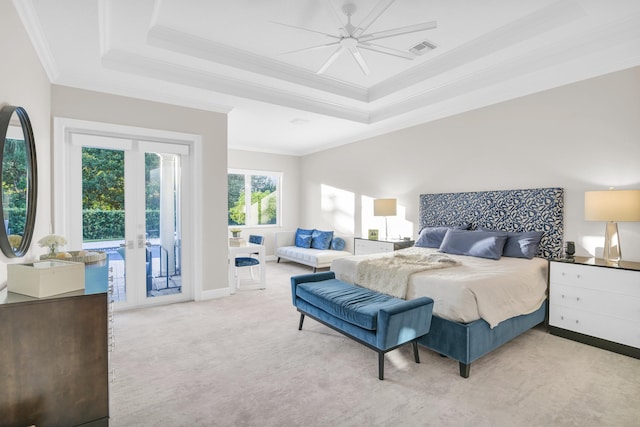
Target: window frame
column 248, row 173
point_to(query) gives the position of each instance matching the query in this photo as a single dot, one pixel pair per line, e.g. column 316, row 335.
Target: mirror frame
column 32, row 179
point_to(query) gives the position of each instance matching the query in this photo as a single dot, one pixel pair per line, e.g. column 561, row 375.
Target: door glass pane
column 103, row 210
column 163, row 231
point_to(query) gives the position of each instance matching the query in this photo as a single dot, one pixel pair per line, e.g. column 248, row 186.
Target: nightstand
column 596, row 303
column 365, row 246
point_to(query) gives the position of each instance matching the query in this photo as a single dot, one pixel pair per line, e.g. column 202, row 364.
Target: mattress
column 477, row 288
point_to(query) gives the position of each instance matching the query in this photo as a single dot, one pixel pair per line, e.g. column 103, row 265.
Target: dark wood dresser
column 54, row 359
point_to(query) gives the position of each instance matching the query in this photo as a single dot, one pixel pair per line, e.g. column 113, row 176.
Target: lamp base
column 612, row 253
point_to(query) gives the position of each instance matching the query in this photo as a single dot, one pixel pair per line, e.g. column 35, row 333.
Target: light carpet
column 241, row 361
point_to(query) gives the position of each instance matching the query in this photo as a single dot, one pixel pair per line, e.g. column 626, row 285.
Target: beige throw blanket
column 390, row 274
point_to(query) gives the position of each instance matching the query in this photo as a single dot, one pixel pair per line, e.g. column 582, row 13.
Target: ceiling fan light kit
column 353, row 38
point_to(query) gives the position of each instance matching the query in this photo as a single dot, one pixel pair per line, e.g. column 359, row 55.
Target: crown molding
column 27, row 13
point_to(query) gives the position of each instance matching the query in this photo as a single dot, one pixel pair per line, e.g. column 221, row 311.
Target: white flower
column 52, row 241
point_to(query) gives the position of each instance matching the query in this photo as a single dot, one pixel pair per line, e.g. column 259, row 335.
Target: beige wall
column 289, row 166
column 212, row 127
column 583, row 136
column 24, row 83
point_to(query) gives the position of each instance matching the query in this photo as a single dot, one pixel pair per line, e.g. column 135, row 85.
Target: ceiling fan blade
column 386, row 50
column 373, row 15
column 334, row 12
column 330, row 60
column 359, row 59
column 399, row 31
column 320, row 46
column 306, row 29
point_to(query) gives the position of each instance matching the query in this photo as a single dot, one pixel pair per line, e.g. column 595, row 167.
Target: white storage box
column 45, row 278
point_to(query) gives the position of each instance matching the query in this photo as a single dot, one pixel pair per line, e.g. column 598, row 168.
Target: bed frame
column 538, row 209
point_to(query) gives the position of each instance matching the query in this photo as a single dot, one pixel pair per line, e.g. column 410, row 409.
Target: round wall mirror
column 19, row 174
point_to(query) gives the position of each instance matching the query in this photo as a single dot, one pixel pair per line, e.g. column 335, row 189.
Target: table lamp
column 612, row 206
column 385, row 208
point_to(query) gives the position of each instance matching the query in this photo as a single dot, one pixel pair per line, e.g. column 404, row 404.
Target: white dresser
column 365, row 246
column 596, row 303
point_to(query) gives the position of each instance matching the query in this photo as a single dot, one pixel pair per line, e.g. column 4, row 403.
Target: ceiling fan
column 353, row 38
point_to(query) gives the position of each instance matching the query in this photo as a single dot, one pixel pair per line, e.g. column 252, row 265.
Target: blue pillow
column 524, row 244
column 431, row 237
column 338, row 244
column 482, row 244
column 303, row 238
column 321, row 239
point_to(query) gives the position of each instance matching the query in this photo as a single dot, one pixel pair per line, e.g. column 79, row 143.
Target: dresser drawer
column 607, row 303
column 610, row 280
column 595, row 324
column 365, row 247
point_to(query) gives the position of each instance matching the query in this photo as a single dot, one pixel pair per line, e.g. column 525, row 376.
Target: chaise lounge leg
column 301, row 320
column 278, row 260
column 380, row 365
column 464, row 369
column 416, row 356
column 314, row 269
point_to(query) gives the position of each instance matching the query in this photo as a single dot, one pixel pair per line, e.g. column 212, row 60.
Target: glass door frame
column 63, row 154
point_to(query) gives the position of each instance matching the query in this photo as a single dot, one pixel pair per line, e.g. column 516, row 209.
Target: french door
column 130, row 206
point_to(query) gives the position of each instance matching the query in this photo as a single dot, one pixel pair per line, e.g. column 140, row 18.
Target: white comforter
column 477, row 288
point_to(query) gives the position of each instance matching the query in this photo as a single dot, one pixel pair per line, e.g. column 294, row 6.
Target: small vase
column 52, row 251
column 235, row 233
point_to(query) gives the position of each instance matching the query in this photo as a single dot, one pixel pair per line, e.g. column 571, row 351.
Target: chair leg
column 251, row 271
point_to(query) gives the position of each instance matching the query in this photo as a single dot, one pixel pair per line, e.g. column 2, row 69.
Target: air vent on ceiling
column 422, row 47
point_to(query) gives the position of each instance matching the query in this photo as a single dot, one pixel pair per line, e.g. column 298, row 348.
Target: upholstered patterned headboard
column 536, row 209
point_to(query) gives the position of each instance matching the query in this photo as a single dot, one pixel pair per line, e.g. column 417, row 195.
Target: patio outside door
column 134, row 214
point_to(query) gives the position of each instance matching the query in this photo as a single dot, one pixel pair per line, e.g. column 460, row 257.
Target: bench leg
column 278, row 260
column 416, row 356
column 380, row 365
column 464, row 369
column 314, row 269
column 301, row 320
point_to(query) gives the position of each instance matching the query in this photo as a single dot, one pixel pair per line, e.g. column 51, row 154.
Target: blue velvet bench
column 378, row 321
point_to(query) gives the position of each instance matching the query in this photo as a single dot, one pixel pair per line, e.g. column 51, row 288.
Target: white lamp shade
column 612, row 205
column 384, row 207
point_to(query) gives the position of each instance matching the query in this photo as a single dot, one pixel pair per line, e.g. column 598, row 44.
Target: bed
column 462, row 330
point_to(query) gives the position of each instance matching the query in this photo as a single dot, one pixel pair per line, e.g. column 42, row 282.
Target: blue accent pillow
column 524, row 244
column 338, row 244
column 303, row 238
column 321, row 239
column 482, row 244
column 431, row 237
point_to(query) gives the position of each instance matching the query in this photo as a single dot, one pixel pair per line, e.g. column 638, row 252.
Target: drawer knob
column 578, row 276
column 577, row 298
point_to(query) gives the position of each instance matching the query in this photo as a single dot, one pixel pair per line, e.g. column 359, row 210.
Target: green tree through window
column 263, row 201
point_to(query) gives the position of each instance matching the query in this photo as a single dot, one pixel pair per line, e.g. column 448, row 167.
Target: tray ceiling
column 230, row 56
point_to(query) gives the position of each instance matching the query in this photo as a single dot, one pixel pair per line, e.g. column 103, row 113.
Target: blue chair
column 249, row 261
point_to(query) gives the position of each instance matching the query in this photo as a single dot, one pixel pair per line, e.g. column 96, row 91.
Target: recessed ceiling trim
column 556, row 55
column 546, row 19
column 128, row 62
column 187, row 44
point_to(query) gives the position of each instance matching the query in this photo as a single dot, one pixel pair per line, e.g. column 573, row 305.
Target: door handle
column 130, row 245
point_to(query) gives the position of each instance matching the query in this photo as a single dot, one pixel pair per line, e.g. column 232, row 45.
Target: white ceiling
column 229, row 56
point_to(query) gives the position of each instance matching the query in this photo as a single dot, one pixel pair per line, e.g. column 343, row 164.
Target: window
column 254, row 198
